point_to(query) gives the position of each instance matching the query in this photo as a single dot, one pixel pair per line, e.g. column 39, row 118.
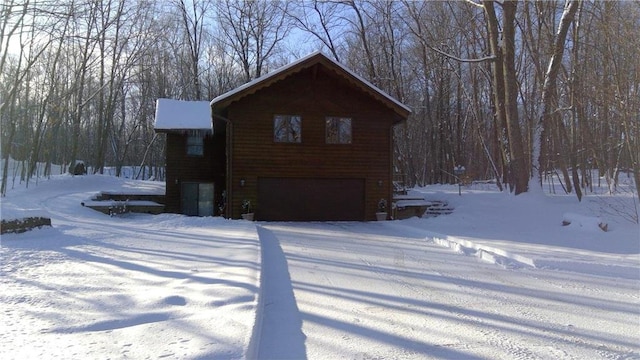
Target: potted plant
column 247, row 212
column 382, row 214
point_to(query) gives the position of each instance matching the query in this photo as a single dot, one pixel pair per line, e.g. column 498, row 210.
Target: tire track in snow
column 494, row 336
column 490, row 336
column 354, row 318
column 500, row 332
column 419, row 300
column 455, row 302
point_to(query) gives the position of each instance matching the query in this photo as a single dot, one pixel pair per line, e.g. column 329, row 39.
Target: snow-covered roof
column 182, row 115
column 303, row 62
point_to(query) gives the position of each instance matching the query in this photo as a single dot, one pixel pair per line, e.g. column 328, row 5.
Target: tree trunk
column 506, row 91
column 549, row 87
column 519, row 171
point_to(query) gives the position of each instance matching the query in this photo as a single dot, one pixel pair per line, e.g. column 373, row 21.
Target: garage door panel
column 294, row 199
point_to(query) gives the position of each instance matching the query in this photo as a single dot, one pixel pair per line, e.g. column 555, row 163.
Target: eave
column 220, row 103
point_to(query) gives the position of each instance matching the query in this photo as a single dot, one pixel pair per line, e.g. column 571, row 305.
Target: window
column 338, row 130
column 197, row 199
column 195, row 145
column 287, row 128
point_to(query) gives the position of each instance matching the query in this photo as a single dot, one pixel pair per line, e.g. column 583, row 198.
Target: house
column 309, row 141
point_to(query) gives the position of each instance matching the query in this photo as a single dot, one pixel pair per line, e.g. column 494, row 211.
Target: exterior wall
column 183, row 168
column 313, row 93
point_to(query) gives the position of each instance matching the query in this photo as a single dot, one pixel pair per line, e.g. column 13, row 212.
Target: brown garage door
column 290, row 199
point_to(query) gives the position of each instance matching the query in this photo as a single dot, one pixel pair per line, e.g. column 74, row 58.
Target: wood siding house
column 195, row 156
column 310, row 141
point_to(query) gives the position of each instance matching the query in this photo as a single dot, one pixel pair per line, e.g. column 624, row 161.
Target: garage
column 304, row 199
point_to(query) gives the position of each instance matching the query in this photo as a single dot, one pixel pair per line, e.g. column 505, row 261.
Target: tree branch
column 453, row 57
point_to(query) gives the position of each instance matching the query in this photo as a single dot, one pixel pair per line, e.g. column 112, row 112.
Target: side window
column 287, row 128
column 195, row 145
column 338, row 130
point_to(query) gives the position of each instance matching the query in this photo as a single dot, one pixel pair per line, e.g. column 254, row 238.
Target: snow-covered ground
column 501, row 277
column 370, row 291
column 131, row 286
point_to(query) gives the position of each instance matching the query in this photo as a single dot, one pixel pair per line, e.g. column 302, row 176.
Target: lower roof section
column 183, row 116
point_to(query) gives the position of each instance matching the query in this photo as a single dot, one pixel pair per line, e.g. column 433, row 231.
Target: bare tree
column 193, row 19
column 505, row 89
column 18, row 25
column 323, row 20
column 47, row 103
column 253, row 30
column 120, row 51
column 82, row 45
column 549, row 87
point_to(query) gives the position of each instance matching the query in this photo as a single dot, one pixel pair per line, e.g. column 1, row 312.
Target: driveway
column 361, row 291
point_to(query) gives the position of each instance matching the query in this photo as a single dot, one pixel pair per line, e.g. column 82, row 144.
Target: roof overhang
column 221, row 102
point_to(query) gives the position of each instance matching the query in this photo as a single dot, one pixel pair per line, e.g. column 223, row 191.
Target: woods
column 512, row 91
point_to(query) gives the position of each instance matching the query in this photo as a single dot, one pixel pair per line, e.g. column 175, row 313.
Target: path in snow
column 282, row 337
column 363, row 292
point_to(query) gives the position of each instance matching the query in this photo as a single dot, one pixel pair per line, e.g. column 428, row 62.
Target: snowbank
column 527, row 230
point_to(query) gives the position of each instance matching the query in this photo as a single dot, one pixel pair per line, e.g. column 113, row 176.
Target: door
column 197, row 199
column 294, row 199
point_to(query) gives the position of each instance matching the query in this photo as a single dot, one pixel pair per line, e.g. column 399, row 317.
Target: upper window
column 338, row 130
column 195, row 145
column 287, row 128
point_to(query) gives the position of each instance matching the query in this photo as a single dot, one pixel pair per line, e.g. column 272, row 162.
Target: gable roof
column 308, row 61
column 180, row 115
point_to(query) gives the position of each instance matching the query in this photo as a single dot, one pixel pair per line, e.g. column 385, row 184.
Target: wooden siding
column 313, row 93
column 183, row 168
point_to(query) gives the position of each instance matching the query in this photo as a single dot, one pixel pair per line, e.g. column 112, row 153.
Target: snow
column 529, row 227
column 182, row 115
column 582, row 221
column 90, row 203
column 134, row 285
column 500, row 277
column 412, row 202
